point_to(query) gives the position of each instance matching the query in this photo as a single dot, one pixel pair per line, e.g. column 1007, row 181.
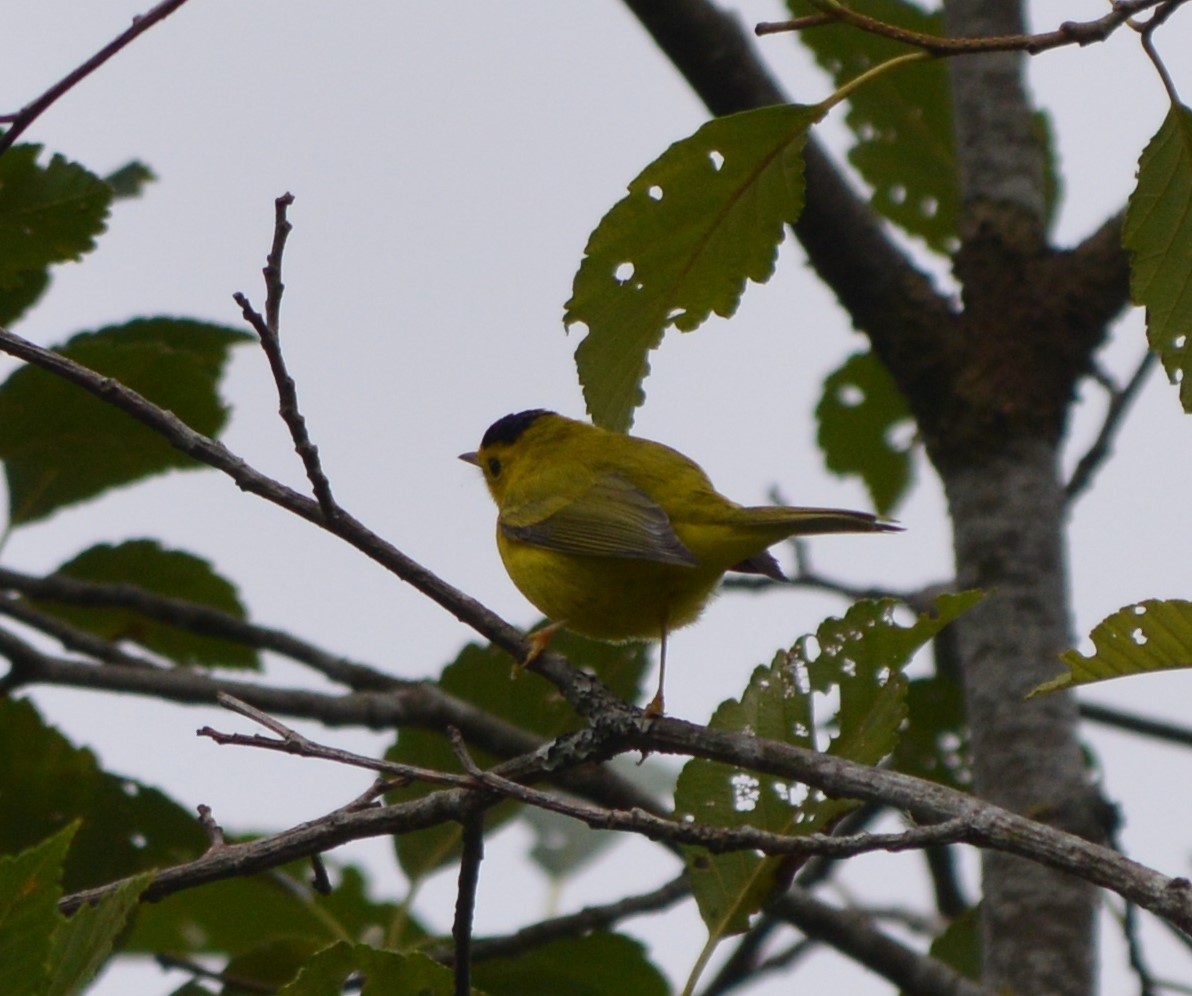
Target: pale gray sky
column 449, row 162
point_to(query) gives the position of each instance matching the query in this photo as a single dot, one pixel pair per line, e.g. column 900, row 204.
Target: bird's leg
column 539, row 640
column 656, row 704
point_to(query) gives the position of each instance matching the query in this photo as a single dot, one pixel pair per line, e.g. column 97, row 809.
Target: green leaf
column 61, row 445
column 130, row 179
column 902, row 121
column 385, row 972
column 237, row 916
column 959, row 946
column 25, row 290
column 485, row 676
column 593, row 965
column 698, row 222
column 83, row 943
column 269, row 966
column 933, row 743
column 1148, row 636
column 858, row 413
column 47, row 213
column 124, row 826
column 1158, row 233
column 860, row 657
column 173, row 573
column 29, row 917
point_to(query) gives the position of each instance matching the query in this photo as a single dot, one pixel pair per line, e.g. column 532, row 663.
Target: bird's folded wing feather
column 612, row 518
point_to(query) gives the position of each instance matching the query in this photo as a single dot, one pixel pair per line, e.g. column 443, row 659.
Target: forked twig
column 268, row 330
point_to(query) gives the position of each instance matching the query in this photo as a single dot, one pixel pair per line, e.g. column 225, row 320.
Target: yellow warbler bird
column 621, row 538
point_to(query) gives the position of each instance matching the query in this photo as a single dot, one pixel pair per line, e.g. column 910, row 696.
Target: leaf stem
column 870, row 74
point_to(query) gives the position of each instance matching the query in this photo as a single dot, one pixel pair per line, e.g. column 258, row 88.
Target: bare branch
column 472, row 855
column 855, row 935
column 69, row 636
column 1068, row 33
column 945, row 813
column 1120, row 400
column 576, row 924
column 1146, row 725
column 268, row 330
column 196, row 618
column 32, row 111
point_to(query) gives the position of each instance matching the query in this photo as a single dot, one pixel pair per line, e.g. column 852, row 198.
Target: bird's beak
column 471, row 458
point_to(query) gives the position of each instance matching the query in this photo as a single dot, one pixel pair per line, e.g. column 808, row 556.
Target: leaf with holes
column 1143, row 638
column 859, row 413
column 1158, row 234
column 860, row 658
column 697, row 223
column 902, row 121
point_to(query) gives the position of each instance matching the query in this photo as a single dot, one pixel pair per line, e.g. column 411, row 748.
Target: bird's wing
column 612, row 518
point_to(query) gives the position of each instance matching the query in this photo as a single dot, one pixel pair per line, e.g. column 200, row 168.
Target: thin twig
column 1119, row 405
column 465, row 899
column 230, row 980
column 576, row 924
column 1146, row 725
column 268, row 330
column 21, row 120
column 1146, row 33
column 1068, row 33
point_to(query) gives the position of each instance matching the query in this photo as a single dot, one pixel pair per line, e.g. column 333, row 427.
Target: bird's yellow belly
column 608, row 598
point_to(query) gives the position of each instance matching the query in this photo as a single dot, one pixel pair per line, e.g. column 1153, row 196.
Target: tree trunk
column 1038, row 925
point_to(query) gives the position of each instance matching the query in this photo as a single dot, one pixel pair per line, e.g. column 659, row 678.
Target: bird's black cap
column 510, row 428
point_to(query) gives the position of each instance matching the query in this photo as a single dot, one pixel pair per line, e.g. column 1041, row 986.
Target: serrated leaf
column 125, row 827
column 48, row 214
column 385, row 973
column 174, row 573
column 1158, row 234
column 858, row 414
column 860, row 657
column 1149, row 636
column 698, row 222
column 484, row 676
column 29, row 917
column 84, row 942
column 902, row 121
column 60, row 445
column 130, row 179
column 593, row 965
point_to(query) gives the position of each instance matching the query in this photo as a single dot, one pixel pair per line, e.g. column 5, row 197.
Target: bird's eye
column 494, row 466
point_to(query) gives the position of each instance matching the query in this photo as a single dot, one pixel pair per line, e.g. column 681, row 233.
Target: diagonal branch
column 33, row 110
column 856, row 935
column 1120, row 400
